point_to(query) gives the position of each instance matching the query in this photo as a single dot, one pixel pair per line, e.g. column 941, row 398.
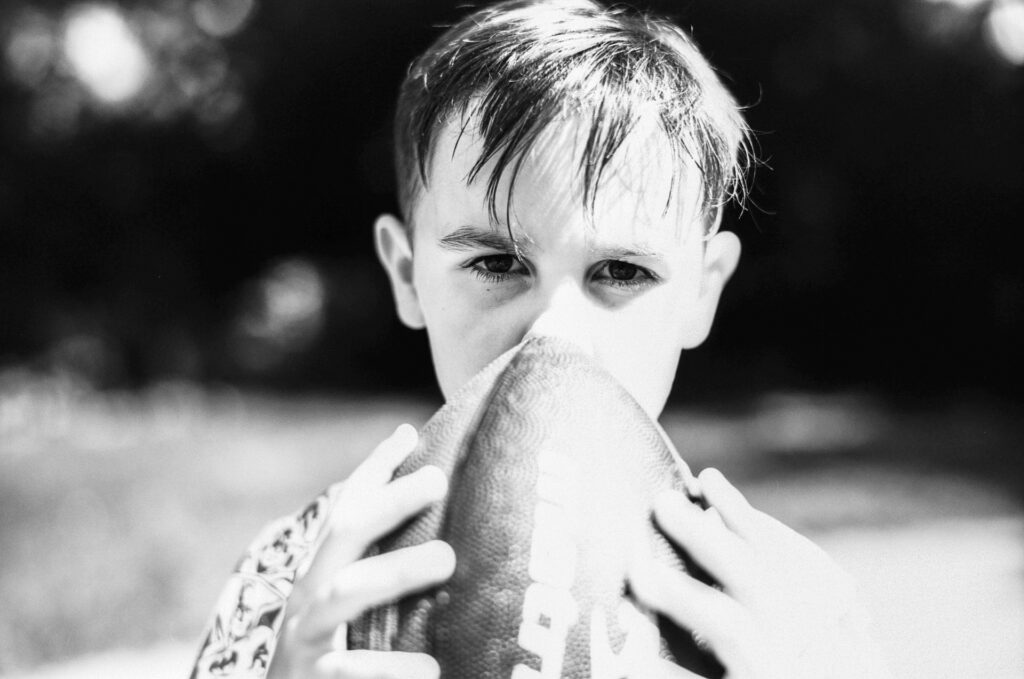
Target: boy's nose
column 566, row 315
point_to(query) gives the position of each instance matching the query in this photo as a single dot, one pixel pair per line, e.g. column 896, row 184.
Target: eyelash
column 644, row 278
column 491, row 277
column 475, row 265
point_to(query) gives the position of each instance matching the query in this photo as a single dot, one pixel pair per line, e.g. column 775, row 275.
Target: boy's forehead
column 647, row 195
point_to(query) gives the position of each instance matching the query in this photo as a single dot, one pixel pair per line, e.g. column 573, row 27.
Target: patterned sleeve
column 240, row 638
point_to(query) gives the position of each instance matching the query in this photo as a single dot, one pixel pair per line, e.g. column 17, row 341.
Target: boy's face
column 632, row 287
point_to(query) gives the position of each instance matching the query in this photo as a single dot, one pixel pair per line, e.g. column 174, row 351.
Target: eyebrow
column 467, row 238
column 637, row 250
column 472, row 238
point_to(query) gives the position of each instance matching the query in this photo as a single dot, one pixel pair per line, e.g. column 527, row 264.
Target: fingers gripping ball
column 553, row 470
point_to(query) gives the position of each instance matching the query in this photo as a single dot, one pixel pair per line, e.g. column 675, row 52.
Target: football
column 553, row 469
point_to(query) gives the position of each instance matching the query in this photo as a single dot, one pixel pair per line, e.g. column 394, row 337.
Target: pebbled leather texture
column 553, row 469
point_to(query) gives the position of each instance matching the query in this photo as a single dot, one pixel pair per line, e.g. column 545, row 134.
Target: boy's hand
column 340, row 585
column 786, row 610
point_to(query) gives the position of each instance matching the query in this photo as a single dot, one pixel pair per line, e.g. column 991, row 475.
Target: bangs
column 519, row 69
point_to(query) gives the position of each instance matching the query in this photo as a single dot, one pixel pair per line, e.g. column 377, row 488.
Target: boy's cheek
column 645, row 368
column 463, row 340
column 487, row 297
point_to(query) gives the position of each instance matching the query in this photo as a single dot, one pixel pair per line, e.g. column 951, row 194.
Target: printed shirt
column 240, row 638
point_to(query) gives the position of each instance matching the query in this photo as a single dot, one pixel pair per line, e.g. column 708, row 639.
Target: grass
column 122, row 513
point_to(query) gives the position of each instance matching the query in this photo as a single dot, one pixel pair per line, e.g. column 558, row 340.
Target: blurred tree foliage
column 879, row 247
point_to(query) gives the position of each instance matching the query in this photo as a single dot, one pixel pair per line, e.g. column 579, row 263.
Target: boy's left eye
column 622, row 274
column 622, row 271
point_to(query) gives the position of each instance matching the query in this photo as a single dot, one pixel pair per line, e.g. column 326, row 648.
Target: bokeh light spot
column 30, row 48
column 1004, row 30
column 105, row 54
column 283, row 312
column 222, row 18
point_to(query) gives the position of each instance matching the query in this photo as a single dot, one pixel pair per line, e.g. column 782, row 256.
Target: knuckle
column 391, row 502
column 352, row 523
column 733, row 617
column 749, row 571
column 350, row 499
column 351, row 580
column 670, row 584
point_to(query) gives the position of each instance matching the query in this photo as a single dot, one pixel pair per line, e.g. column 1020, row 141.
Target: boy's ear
column 395, row 253
column 721, row 255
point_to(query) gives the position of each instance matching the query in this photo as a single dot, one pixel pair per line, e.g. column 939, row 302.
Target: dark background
column 879, row 243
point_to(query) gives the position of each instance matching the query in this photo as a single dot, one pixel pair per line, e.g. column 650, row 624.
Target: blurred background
column 195, row 337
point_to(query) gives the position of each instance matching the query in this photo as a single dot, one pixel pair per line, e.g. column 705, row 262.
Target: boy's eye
column 497, row 263
column 622, row 271
column 617, row 273
column 496, row 268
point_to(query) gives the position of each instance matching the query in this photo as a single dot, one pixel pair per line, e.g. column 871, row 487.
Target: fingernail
column 434, row 481
column 441, row 557
column 405, row 435
column 712, row 475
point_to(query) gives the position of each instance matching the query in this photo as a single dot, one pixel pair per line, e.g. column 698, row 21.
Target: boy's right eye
column 497, row 263
column 496, row 268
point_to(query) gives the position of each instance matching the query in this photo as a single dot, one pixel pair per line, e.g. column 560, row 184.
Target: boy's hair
column 518, row 66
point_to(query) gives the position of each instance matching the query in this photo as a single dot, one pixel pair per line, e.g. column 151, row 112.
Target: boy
column 562, row 171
